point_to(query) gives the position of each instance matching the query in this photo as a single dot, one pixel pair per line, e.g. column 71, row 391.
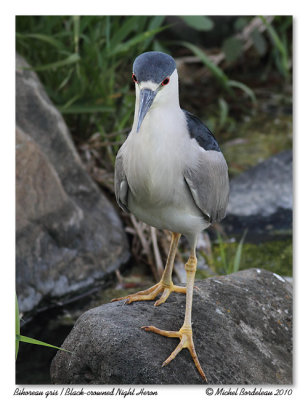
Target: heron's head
column 156, row 82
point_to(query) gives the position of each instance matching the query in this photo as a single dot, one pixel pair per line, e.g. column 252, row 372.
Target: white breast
column 156, row 156
column 154, row 160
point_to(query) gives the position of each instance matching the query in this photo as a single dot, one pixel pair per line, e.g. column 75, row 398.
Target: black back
column 200, row 132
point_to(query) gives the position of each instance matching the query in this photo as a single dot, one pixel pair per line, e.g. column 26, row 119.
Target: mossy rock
column 257, row 139
column 275, row 256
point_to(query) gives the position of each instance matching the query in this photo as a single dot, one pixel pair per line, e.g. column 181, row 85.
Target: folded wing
column 120, row 183
column 208, row 181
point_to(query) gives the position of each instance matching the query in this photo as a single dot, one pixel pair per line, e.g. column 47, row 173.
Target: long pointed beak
column 146, row 99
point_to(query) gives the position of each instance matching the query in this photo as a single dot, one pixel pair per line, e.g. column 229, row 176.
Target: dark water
column 51, row 326
column 33, row 362
column 54, row 325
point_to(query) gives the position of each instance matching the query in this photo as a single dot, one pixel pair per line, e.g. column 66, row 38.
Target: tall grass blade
column 72, row 59
column 222, row 252
column 40, row 36
column 279, row 44
column 84, row 109
column 107, row 31
column 70, row 102
column 238, row 254
column 128, row 26
column 26, row 339
column 244, row 88
column 124, row 47
column 155, row 23
column 216, row 71
column 66, row 79
column 17, row 326
column 224, row 110
column 76, row 21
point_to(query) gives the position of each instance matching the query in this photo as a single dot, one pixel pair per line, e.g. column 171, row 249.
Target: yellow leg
column 165, row 285
column 185, row 333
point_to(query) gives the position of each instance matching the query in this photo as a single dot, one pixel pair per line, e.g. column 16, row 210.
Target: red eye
column 165, row 82
column 134, row 78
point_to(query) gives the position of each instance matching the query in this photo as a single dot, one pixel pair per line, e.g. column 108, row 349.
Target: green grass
column 20, row 338
column 85, row 63
column 226, row 262
column 275, row 256
column 280, row 42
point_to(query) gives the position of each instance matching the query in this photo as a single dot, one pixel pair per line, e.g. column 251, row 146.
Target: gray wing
column 209, row 184
column 120, row 183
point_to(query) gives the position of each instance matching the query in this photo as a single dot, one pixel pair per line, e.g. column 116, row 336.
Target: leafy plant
column 227, row 263
column 198, row 22
column 20, row 338
column 217, row 72
column 281, row 55
column 80, row 61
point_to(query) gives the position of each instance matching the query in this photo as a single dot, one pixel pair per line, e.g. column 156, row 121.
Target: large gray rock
column 242, row 326
column 261, row 198
column 68, row 235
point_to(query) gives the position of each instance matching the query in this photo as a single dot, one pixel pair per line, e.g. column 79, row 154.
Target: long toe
column 139, row 297
column 161, row 331
column 194, row 356
column 148, row 294
column 152, row 293
column 186, row 341
column 163, row 297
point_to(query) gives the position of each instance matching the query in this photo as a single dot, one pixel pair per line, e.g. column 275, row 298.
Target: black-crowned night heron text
column 171, row 174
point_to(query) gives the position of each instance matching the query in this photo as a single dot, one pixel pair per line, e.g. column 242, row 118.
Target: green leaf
column 279, row 45
column 198, row 22
column 66, row 79
column 259, row 42
column 73, row 58
column 122, row 33
column 124, row 47
column 70, row 102
column 40, row 36
column 107, row 31
column 244, row 88
column 26, row 339
column 84, row 109
column 240, row 23
column 274, row 35
column 17, row 326
column 224, row 109
column 217, row 72
column 222, row 252
column 238, row 254
column 155, row 23
column 76, row 24
column 233, row 48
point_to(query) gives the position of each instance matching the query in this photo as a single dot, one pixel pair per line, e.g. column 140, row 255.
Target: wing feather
column 120, row 183
column 209, row 184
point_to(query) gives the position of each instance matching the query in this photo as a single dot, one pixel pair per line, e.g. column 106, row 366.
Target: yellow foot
column 186, row 341
column 152, row 292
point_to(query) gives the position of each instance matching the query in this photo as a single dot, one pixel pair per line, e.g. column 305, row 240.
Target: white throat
column 167, row 98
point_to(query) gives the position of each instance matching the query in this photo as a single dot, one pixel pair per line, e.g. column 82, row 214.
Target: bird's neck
column 158, row 115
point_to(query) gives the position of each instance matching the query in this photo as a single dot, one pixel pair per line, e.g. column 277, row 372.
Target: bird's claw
column 152, row 293
column 186, row 341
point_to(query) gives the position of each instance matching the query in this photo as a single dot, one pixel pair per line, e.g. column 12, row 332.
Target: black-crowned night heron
column 171, row 174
